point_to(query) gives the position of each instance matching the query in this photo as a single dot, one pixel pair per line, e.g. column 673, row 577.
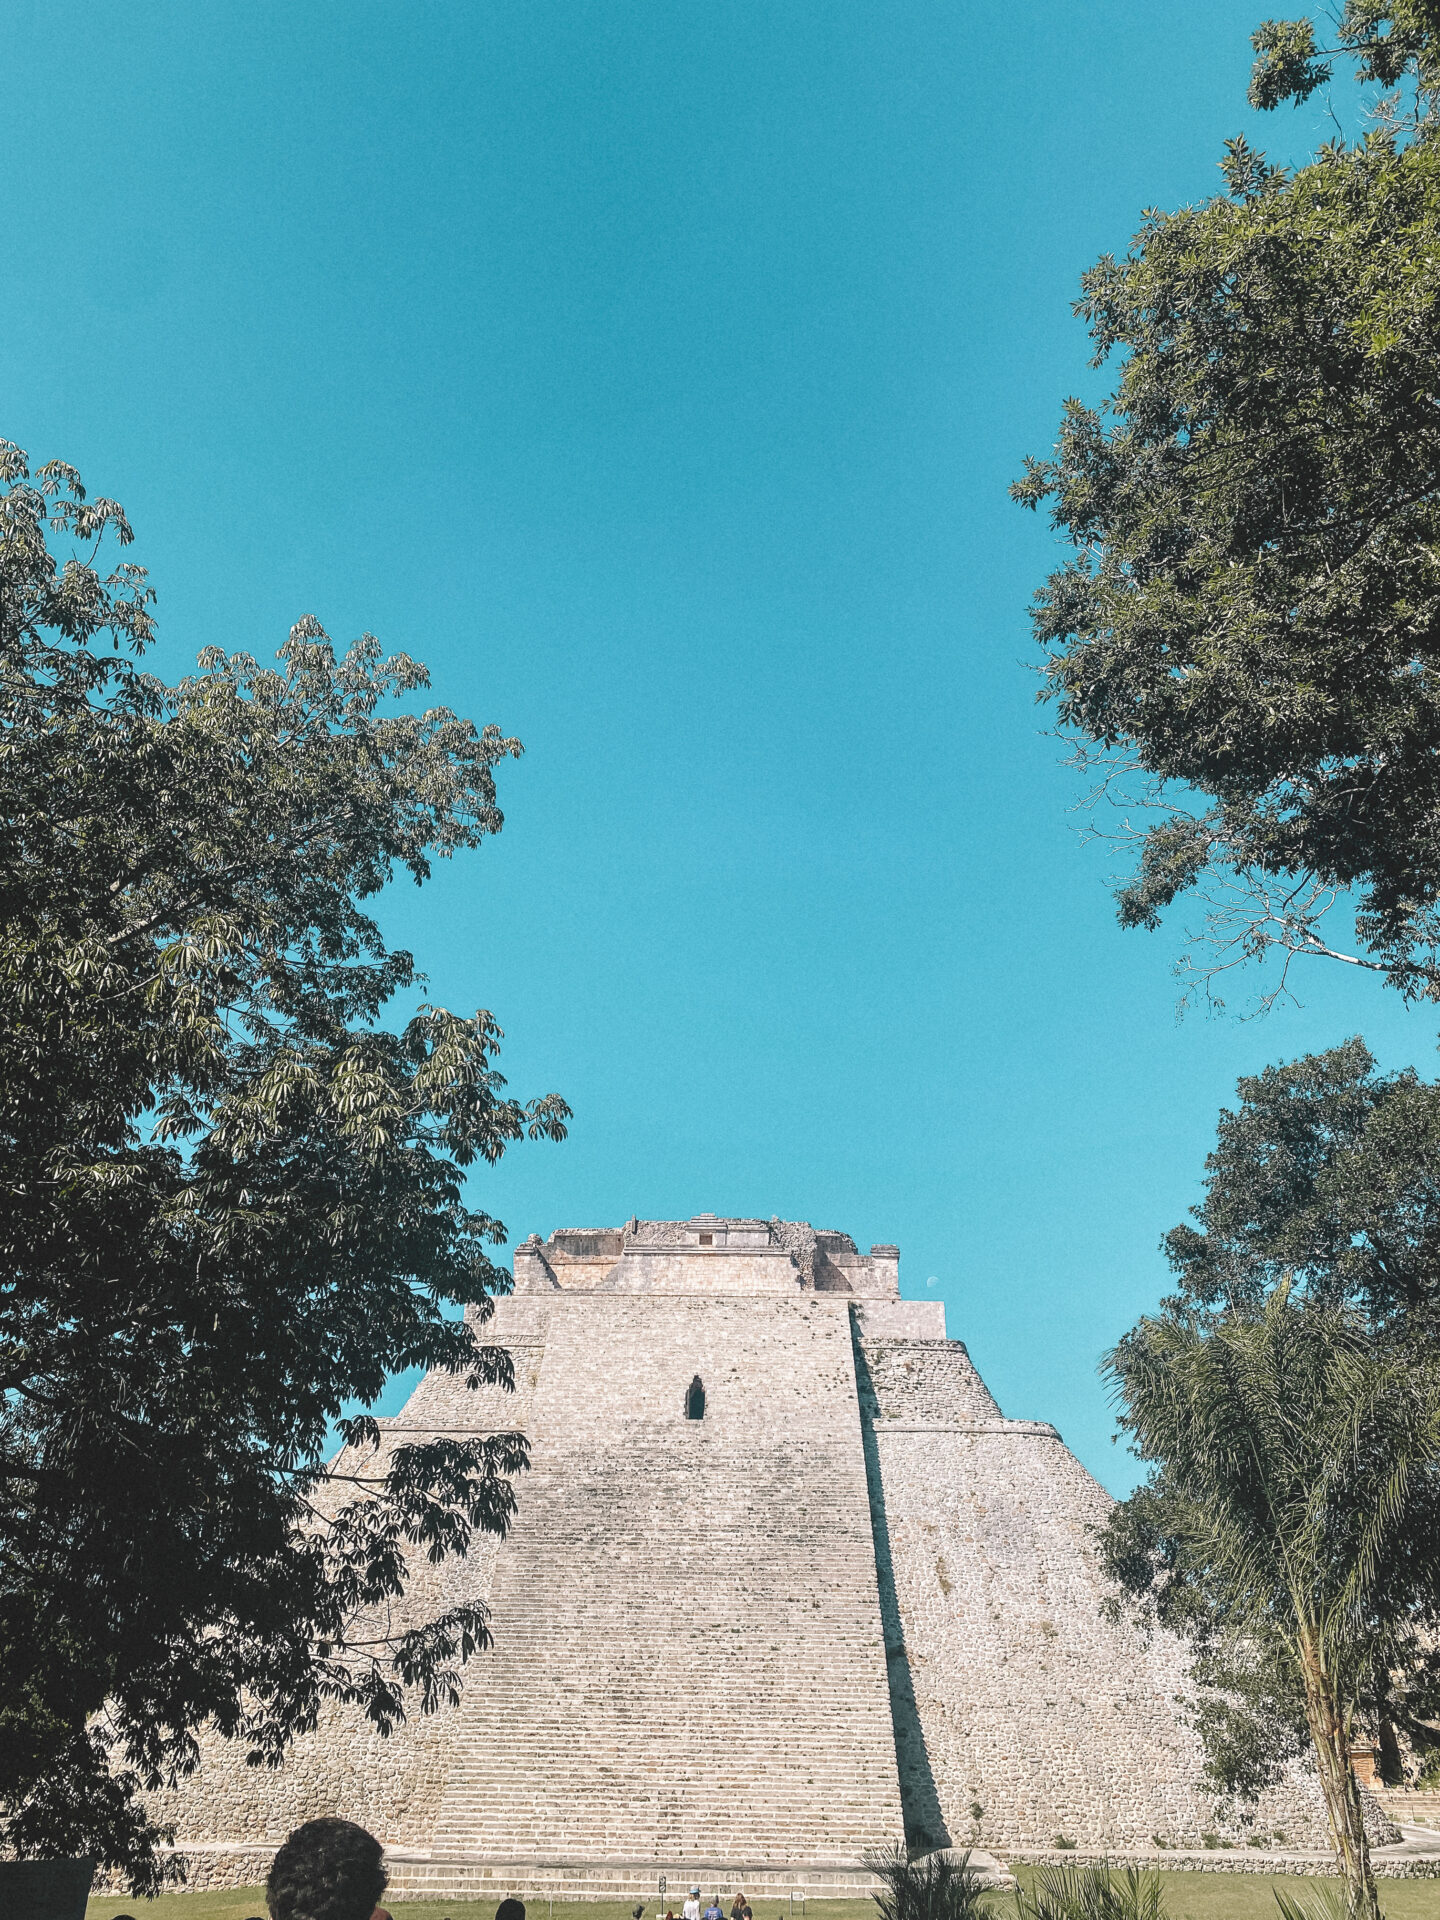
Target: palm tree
column 935, row 1886
column 1294, row 1504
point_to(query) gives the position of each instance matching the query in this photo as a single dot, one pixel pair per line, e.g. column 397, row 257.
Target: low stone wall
column 1220, row 1860
column 206, row 1869
column 414, row 1877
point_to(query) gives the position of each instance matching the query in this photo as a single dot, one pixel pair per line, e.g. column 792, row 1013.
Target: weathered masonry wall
column 1021, row 1713
column 689, row 1658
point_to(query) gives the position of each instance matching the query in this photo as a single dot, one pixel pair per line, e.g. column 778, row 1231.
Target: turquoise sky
column 656, row 373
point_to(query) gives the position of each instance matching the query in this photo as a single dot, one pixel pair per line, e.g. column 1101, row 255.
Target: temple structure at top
column 708, row 1254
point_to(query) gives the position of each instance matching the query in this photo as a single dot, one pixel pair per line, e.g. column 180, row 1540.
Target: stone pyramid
column 784, row 1587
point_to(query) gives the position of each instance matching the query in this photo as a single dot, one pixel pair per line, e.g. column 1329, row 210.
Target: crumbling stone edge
column 209, row 1869
column 1216, row 1860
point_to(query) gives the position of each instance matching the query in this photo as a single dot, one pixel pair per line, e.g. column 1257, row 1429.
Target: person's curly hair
column 326, row 1870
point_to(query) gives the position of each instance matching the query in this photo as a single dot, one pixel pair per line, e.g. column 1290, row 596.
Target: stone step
column 688, row 1654
column 416, row 1876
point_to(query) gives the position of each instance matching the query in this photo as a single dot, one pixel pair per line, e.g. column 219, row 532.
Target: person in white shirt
column 691, row 1909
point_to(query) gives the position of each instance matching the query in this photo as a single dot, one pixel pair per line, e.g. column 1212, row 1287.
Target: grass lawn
column 1189, row 1896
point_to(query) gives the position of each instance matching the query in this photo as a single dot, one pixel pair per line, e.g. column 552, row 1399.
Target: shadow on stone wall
column 925, row 1826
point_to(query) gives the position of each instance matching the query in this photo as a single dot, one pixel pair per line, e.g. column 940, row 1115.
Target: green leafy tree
column 1245, row 647
column 231, row 1199
column 1287, row 1402
column 1325, row 1178
column 1292, row 1518
column 1389, row 42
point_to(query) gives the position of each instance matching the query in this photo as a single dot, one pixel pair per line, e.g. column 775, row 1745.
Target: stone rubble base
column 420, row 1877
column 1221, row 1860
column 416, row 1876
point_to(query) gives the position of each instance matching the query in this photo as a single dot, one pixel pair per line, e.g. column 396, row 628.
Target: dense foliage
column 1290, row 1529
column 1287, row 1403
column 1325, row 1178
column 1245, row 648
column 1093, row 1892
column 231, row 1199
column 935, row 1886
column 1252, row 615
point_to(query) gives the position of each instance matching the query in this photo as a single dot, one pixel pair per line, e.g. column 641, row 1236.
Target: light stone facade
column 849, row 1602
